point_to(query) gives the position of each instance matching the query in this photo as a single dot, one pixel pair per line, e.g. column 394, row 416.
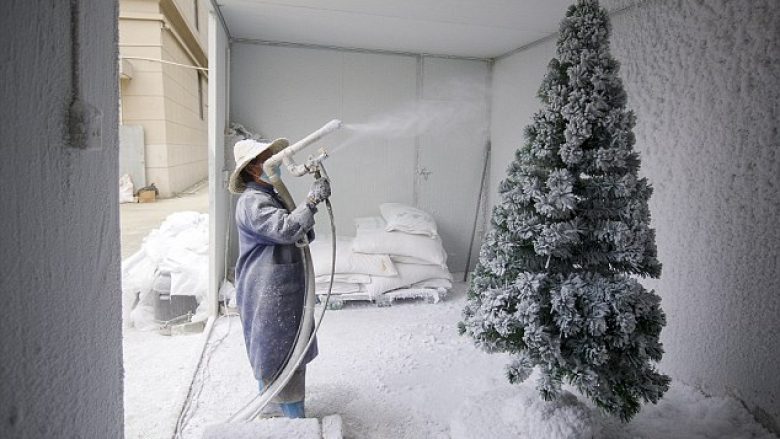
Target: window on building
column 197, row 15
column 201, row 102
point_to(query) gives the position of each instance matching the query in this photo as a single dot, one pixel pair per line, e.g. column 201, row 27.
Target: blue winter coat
column 270, row 278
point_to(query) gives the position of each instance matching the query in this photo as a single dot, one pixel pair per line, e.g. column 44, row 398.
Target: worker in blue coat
column 270, row 277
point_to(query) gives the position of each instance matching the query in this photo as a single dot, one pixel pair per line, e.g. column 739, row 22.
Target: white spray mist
column 463, row 105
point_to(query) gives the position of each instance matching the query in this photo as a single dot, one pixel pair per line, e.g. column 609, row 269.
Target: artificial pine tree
column 553, row 284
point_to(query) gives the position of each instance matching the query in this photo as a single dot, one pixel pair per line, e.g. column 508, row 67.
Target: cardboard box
column 147, row 197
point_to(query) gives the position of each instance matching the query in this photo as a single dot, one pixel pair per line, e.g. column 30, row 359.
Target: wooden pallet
column 430, row 295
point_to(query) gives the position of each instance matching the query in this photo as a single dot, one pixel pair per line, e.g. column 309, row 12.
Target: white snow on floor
column 685, row 413
column 518, row 412
column 404, row 372
column 277, row 428
column 158, row 372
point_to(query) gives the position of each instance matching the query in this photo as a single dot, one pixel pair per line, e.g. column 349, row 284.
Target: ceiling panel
column 469, row 28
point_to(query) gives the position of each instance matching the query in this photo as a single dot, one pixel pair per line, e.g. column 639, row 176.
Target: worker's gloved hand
column 319, row 192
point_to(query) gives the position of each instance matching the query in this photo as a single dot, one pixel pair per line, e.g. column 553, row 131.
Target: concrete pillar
column 60, row 330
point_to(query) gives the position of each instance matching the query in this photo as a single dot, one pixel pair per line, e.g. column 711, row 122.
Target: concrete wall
column 289, row 92
column 703, row 81
column 60, row 334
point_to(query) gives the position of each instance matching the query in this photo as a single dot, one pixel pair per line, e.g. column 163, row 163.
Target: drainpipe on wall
column 84, row 120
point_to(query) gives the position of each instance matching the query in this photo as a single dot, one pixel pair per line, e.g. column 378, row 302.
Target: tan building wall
column 169, row 101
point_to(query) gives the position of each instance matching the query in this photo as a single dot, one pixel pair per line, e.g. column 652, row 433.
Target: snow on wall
column 60, row 332
column 702, row 78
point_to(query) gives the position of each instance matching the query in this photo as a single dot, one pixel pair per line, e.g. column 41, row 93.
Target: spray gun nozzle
column 313, row 163
column 286, row 155
column 321, row 156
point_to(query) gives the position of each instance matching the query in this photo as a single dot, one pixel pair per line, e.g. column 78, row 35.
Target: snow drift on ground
column 520, row 413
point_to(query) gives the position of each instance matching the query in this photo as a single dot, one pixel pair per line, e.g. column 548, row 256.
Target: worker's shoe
column 293, row 409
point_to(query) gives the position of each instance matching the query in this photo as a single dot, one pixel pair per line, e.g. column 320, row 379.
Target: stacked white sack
column 179, row 247
column 400, row 252
column 352, row 269
column 409, row 236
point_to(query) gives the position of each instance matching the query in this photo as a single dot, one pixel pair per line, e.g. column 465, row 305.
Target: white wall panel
column 280, row 92
column 451, row 155
column 377, row 170
column 289, row 92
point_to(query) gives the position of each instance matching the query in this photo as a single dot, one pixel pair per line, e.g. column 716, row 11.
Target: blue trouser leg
column 293, row 409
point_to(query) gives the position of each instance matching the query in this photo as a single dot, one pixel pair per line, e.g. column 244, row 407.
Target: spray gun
column 313, row 165
column 286, row 155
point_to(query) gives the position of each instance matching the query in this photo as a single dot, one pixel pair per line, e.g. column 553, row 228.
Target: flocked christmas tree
column 553, row 285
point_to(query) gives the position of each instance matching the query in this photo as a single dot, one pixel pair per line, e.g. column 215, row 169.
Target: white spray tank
column 305, row 337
